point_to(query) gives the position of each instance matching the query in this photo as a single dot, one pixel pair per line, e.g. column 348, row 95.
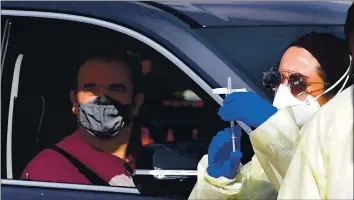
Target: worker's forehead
column 100, row 71
column 296, row 59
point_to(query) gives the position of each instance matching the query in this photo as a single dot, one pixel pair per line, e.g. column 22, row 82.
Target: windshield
column 253, row 49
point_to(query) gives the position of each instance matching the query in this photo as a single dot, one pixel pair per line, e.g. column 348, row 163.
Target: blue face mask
column 103, row 117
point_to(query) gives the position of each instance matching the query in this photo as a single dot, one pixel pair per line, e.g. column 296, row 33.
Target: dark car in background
column 194, row 47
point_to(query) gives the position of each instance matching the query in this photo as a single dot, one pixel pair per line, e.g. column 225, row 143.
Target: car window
column 175, row 108
column 253, row 49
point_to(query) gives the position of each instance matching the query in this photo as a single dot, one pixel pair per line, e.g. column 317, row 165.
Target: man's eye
column 117, row 88
column 89, row 89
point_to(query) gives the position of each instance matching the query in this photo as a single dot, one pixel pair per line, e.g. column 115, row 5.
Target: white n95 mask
column 303, row 109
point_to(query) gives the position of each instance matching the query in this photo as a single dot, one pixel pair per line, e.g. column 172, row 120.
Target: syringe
column 229, row 88
column 228, row 91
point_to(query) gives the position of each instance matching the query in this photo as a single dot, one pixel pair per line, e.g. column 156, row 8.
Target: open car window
column 175, row 109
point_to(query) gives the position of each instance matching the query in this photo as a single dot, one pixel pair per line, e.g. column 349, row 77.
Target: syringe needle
column 229, row 88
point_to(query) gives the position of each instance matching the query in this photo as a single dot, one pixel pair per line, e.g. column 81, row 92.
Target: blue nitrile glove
column 222, row 161
column 247, row 107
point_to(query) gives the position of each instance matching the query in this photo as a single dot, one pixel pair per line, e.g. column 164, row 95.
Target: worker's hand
column 222, row 161
column 247, row 107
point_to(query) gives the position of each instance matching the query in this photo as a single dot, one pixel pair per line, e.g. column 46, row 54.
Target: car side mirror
column 169, row 169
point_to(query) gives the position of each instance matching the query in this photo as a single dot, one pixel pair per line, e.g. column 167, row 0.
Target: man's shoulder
column 45, row 156
column 50, row 165
column 48, row 159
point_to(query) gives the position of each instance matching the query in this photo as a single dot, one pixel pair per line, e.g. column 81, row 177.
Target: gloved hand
column 222, row 161
column 247, row 107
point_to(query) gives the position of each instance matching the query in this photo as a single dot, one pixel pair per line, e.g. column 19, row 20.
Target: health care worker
column 322, row 166
column 307, row 78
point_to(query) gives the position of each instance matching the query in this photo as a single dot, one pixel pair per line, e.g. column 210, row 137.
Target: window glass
column 253, row 49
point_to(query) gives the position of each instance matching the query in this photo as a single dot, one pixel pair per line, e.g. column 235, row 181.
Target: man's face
column 111, row 78
column 97, row 77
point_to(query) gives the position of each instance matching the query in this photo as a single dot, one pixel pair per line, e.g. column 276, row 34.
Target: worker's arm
column 305, row 178
column 276, row 137
column 274, row 143
column 251, row 181
column 302, row 180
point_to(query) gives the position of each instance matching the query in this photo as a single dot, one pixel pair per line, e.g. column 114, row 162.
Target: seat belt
column 88, row 173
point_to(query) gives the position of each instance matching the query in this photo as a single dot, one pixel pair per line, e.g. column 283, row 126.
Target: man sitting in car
column 106, row 97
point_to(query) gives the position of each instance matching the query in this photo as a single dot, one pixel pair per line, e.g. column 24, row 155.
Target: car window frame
column 123, row 30
column 4, row 71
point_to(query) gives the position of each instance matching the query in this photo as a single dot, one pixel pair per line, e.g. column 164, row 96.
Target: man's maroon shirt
column 49, row 165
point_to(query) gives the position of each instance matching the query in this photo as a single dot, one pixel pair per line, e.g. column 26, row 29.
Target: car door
column 179, row 104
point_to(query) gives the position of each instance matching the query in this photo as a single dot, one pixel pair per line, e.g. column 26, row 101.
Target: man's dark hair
column 349, row 22
column 108, row 52
column 332, row 54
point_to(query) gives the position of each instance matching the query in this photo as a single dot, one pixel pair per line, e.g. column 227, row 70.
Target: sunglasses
column 272, row 78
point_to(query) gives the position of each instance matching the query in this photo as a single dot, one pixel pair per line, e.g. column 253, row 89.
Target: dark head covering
column 330, row 51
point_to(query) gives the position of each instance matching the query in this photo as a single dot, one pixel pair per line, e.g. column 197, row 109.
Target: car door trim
column 69, row 186
column 13, row 96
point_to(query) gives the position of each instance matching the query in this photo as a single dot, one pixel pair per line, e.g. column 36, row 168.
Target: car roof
column 199, row 14
column 258, row 13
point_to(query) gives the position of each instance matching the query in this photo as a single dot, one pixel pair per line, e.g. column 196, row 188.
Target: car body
column 208, row 41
